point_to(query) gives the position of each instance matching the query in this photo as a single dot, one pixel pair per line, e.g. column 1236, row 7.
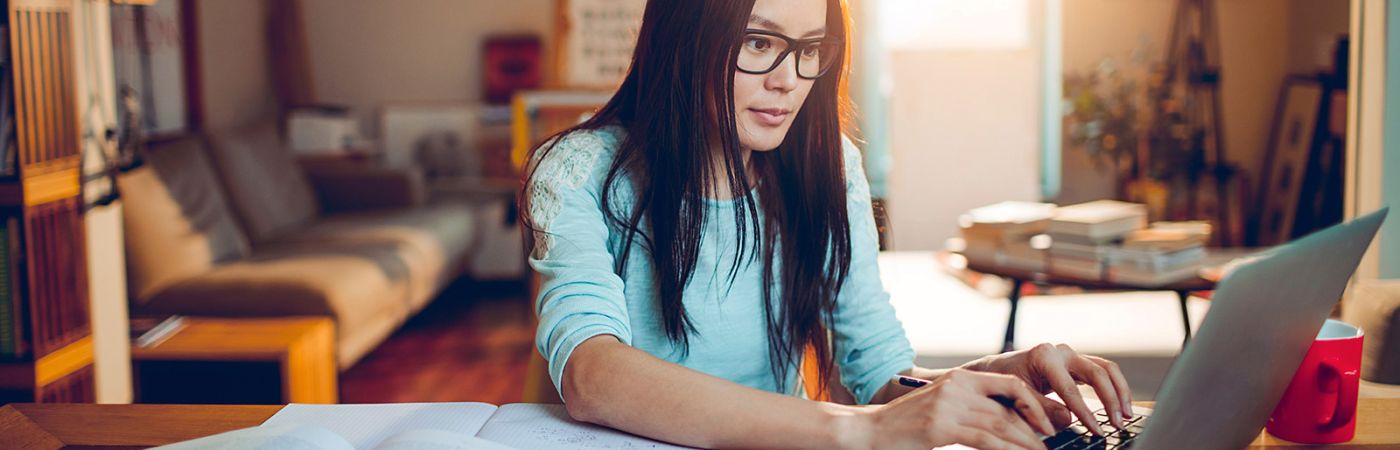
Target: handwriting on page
column 537, row 426
column 584, row 439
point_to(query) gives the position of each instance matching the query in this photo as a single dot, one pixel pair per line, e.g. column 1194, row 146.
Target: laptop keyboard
column 1076, row 436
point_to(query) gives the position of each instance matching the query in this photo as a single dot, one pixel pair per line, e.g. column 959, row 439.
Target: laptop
column 1263, row 317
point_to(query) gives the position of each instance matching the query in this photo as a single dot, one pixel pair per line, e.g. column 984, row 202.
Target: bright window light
column 955, row 24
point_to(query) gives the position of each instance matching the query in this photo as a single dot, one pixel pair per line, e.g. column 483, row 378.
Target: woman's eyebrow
column 763, row 22
column 770, row 25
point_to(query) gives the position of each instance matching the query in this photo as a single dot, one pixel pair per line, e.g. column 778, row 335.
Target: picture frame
column 510, row 63
column 154, row 58
column 1291, row 142
column 595, row 41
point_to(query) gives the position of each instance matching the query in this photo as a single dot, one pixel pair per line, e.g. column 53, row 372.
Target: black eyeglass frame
column 792, row 46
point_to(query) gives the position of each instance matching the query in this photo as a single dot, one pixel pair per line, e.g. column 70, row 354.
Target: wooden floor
column 471, row 344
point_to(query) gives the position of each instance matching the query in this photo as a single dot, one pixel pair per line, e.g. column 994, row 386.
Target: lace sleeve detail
column 565, row 169
column 857, row 186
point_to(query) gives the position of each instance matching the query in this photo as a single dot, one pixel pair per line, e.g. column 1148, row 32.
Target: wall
column 964, row 132
column 1261, row 42
column 368, row 52
column 1253, row 36
column 1314, row 27
column 234, row 63
column 1390, row 235
column 1095, row 30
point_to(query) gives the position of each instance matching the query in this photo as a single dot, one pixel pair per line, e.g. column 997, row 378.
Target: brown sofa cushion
column 1374, row 306
column 267, row 187
column 177, row 222
column 433, row 241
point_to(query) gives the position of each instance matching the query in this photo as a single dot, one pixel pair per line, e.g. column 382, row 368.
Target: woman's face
column 765, row 104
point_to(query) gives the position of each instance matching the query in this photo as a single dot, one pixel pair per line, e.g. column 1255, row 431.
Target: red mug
column 1319, row 406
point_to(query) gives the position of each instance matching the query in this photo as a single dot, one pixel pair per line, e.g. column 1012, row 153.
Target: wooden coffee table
column 1019, row 277
column 281, row 360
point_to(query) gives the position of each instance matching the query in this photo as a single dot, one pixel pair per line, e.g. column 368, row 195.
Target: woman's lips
column 770, row 117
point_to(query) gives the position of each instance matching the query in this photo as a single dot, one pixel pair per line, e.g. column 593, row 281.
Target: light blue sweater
column 581, row 296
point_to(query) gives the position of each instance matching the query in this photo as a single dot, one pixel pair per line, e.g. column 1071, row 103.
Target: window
column 955, row 24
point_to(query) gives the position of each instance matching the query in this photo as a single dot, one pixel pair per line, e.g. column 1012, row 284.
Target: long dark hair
column 676, row 105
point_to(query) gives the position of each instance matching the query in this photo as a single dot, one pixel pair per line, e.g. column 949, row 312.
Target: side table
column 240, row 360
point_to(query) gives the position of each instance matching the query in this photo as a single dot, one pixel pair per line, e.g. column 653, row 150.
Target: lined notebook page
column 365, row 426
column 547, row 427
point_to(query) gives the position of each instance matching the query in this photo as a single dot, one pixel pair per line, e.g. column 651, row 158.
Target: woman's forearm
column 612, row 384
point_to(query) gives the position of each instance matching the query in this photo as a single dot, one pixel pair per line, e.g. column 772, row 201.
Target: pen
column 918, row 383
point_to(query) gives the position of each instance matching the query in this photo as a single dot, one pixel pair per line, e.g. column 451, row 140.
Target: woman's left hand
column 1060, row 369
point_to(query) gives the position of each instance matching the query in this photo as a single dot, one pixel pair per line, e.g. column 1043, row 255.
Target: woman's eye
column 812, row 51
column 757, row 44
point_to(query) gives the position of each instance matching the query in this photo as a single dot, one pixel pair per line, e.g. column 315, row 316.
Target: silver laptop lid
column 1221, row 390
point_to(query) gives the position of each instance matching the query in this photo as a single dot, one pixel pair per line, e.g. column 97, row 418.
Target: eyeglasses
column 762, row 51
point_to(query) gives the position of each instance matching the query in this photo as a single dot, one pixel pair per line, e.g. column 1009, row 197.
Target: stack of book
column 1084, row 235
column 1165, row 253
column 1008, row 234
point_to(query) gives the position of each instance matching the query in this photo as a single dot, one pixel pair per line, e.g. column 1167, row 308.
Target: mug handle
column 1347, row 387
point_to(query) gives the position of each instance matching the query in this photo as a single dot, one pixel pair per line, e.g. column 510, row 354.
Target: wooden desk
column 59, row 426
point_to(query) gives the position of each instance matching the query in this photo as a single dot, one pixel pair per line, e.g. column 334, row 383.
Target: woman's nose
column 784, row 77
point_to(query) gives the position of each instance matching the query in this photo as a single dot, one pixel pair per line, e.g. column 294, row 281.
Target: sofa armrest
column 1374, row 306
column 343, row 189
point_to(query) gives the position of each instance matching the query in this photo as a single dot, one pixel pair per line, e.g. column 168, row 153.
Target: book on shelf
column 13, row 295
column 1098, row 221
column 7, row 313
column 11, row 298
column 8, row 146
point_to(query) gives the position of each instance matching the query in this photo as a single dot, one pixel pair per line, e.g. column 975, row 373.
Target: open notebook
column 422, row 426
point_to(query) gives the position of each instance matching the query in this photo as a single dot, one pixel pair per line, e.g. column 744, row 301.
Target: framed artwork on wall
column 154, row 62
column 510, row 64
column 595, row 41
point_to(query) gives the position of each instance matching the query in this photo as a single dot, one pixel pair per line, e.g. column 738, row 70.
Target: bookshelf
column 46, row 349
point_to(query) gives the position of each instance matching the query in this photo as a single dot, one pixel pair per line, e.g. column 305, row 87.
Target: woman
column 710, row 223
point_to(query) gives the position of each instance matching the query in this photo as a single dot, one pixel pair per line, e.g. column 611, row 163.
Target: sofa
column 231, row 225
column 1374, row 306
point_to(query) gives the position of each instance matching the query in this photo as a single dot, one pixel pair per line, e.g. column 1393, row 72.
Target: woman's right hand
column 957, row 408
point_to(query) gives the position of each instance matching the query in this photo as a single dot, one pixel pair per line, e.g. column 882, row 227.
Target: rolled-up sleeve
column 871, row 346
column 579, row 294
